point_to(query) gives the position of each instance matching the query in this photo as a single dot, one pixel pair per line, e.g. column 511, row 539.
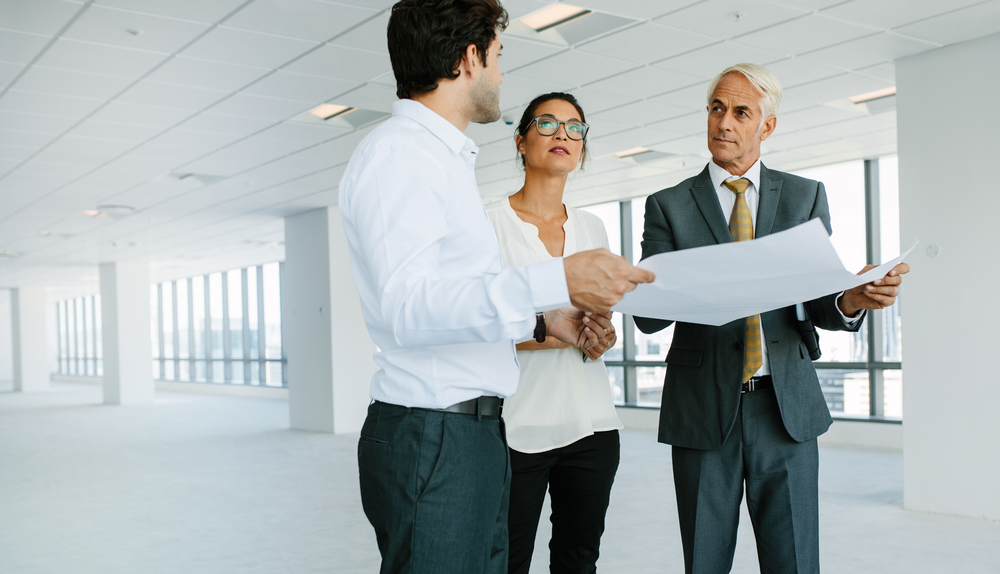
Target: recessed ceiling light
column 330, row 111
column 45, row 233
column 90, row 278
column 135, row 32
column 555, row 15
column 8, row 254
column 631, row 152
column 869, row 96
column 93, row 213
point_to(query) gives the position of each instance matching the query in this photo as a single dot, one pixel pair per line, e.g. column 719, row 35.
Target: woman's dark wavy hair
column 531, row 111
column 427, row 39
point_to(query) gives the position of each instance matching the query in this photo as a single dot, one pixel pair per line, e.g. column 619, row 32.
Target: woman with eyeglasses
column 561, row 424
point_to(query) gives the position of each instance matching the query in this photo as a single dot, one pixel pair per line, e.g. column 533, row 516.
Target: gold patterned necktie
column 741, row 228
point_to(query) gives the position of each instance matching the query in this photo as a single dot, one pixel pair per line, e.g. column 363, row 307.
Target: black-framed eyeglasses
column 548, row 126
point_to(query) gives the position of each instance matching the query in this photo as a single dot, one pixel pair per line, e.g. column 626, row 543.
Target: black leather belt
column 481, row 406
column 757, row 384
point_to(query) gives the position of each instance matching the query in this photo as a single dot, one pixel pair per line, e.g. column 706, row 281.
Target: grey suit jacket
column 701, row 392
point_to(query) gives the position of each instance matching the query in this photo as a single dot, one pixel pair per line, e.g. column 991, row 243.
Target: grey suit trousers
column 781, row 478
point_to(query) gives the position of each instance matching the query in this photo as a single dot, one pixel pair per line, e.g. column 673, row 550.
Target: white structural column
column 126, row 339
column 948, row 197
column 28, row 339
column 329, row 351
column 6, row 333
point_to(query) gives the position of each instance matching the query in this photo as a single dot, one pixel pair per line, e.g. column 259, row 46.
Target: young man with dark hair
column 437, row 301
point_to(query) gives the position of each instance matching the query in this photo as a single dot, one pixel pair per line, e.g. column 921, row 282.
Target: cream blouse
column 560, row 398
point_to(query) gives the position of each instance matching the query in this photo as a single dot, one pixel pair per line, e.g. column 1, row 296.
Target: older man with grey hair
column 742, row 405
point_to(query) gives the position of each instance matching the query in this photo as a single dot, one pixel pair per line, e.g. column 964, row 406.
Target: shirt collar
column 720, row 175
column 437, row 125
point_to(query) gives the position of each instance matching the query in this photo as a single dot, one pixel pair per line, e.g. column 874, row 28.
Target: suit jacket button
column 737, row 345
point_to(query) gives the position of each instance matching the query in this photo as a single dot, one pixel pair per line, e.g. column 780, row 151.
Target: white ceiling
column 91, row 114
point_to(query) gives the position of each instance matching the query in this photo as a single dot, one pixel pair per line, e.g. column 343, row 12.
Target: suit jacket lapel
column 770, row 193
column 708, row 202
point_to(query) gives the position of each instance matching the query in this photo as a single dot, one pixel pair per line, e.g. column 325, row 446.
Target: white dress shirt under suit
column 727, row 199
column 434, row 294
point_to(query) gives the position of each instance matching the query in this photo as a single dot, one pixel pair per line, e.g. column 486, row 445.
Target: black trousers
column 781, row 477
column 435, row 487
column 579, row 478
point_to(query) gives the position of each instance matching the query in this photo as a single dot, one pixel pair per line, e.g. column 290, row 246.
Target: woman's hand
column 598, row 345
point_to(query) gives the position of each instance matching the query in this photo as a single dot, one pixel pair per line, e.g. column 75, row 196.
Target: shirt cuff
column 547, row 281
column 849, row 321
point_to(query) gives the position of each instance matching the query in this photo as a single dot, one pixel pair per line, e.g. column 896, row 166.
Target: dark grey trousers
column 782, row 486
column 435, row 487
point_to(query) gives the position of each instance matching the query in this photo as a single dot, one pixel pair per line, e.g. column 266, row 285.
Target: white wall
column 6, row 351
column 947, row 132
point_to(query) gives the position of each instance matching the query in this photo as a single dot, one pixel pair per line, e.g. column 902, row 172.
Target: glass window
column 616, row 375
column 649, row 385
column 893, row 393
column 154, row 327
column 845, row 193
column 167, row 295
column 98, row 334
column 610, row 215
column 252, row 311
column 638, row 224
column 272, row 313
column 889, row 224
column 183, row 330
column 215, row 310
column 846, row 391
column 234, row 284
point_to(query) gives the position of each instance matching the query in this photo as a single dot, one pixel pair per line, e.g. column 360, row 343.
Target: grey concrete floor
column 197, row 484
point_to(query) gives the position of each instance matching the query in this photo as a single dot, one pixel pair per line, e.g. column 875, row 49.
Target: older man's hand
column 598, row 279
column 878, row 294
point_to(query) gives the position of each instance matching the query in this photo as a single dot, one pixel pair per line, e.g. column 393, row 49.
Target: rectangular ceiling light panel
column 555, row 15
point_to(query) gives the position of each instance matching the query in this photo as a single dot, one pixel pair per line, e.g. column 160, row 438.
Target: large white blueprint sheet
column 716, row 284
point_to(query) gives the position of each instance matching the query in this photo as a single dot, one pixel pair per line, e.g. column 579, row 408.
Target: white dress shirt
column 727, row 199
column 434, row 294
column 560, row 398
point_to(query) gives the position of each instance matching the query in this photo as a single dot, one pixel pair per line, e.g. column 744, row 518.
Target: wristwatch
column 540, row 327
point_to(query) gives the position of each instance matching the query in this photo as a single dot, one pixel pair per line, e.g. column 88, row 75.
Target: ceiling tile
column 25, row 138
column 817, row 116
column 642, row 9
column 708, row 61
column 957, row 26
column 870, row 50
column 808, row 5
column 170, row 96
column 202, row 141
column 811, row 32
column 370, row 97
column 647, row 42
column 494, row 132
column 645, row 82
column 260, row 107
column 718, row 18
column 292, row 86
column 85, row 145
column 688, row 124
column 223, row 124
column 115, row 131
column 795, row 140
column 574, row 68
column 45, row 17
column 302, row 133
column 692, row 97
column 196, row 10
column 42, row 123
column 518, row 52
column 205, row 74
column 628, row 139
column 593, row 100
column 176, row 154
column 19, row 47
column 248, row 48
column 157, row 33
column 516, row 91
column 862, row 125
column 99, row 59
column 836, row 88
column 893, row 13
column 15, row 153
column 61, row 82
column 642, row 113
column 885, row 71
column 20, row 101
column 8, row 71
column 342, row 63
column 89, row 159
column 801, row 70
column 154, row 116
column 306, row 19
column 370, row 35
